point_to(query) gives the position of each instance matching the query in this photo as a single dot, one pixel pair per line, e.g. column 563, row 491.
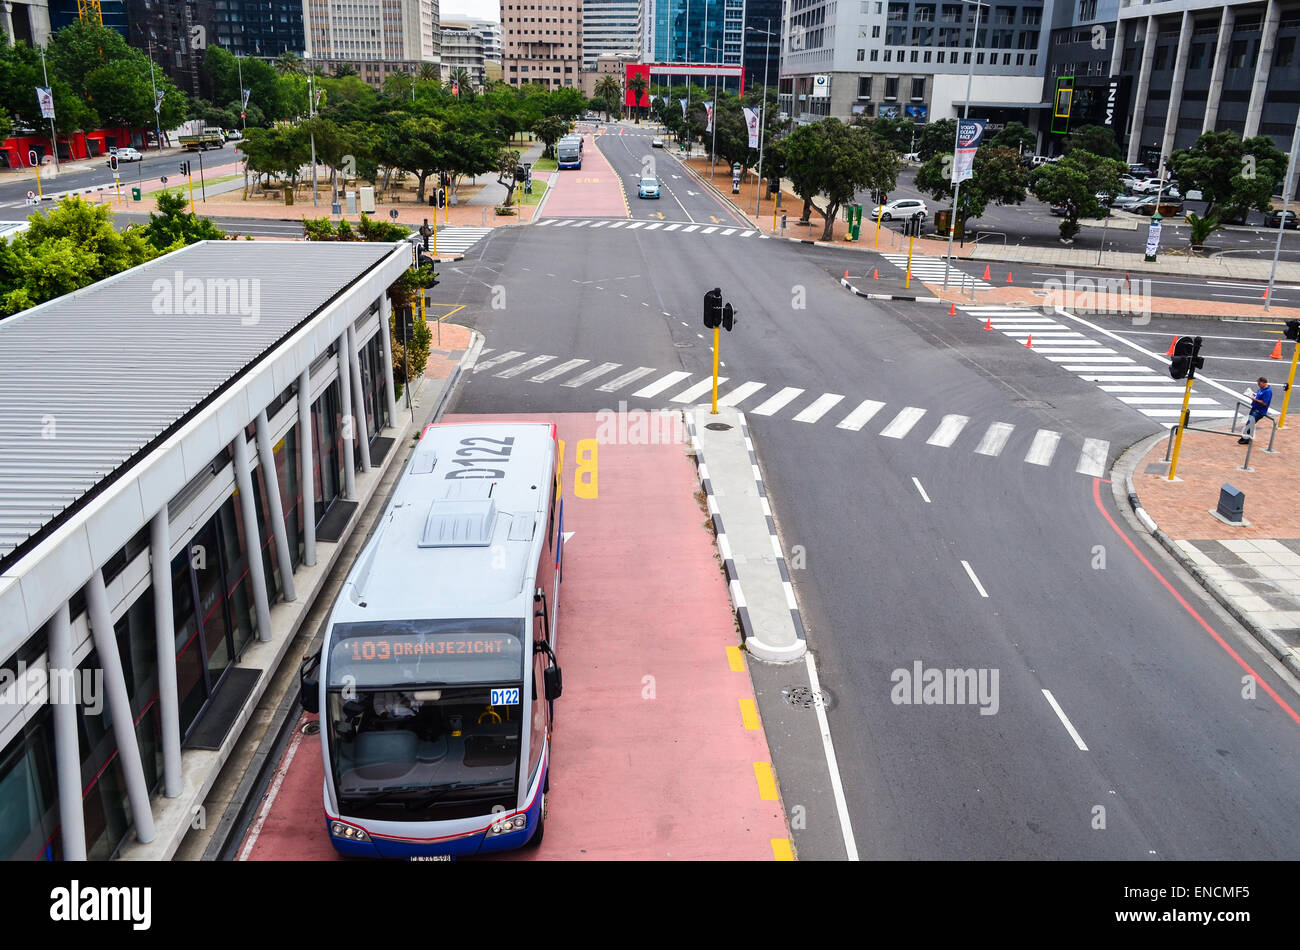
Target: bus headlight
column 508, row 825
column 341, row 829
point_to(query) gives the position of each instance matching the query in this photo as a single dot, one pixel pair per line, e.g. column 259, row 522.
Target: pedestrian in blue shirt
column 1258, row 405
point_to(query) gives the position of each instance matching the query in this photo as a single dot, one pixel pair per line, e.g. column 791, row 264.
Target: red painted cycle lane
column 593, row 190
column 657, row 751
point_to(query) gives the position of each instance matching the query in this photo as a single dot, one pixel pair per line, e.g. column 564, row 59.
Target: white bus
column 436, row 679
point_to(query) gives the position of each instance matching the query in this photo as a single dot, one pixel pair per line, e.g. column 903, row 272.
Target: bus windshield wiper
column 373, row 798
column 443, row 790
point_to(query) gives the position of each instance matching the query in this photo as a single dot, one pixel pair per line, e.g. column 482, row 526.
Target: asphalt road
column 917, row 552
column 13, row 193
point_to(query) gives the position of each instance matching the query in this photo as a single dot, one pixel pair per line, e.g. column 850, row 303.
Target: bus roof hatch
column 459, row 523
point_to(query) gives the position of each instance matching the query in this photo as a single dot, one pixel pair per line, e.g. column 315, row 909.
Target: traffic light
column 728, row 317
column 185, row 169
column 1292, row 331
column 1186, row 359
column 112, row 162
column 713, row 308
column 442, row 197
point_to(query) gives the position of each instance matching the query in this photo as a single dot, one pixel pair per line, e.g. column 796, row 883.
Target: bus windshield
column 567, row 152
column 424, row 717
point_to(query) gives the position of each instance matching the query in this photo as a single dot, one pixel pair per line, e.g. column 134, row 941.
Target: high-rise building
column 168, row 31
column 910, row 58
column 263, row 28
column 761, row 15
column 462, row 48
column 543, row 43
column 490, row 30
column 609, row 27
column 694, row 31
column 372, row 30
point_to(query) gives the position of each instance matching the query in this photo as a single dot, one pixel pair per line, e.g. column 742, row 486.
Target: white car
column 656, row 142
column 902, row 208
column 126, row 155
column 1149, row 186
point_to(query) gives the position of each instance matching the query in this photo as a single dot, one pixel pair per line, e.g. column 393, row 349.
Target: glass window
column 29, row 815
column 1162, row 55
column 918, row 87
column 1285, row 51
column 864, row 87
column 1237, row 56
column 891, row 87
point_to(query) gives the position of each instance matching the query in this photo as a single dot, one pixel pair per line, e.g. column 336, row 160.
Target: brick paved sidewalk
column 1254, row 570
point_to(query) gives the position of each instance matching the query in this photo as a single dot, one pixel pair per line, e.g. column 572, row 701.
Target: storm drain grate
column 311, row 727
column 717, row 426
column 804, row 697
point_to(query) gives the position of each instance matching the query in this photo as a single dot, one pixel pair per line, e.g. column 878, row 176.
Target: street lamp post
column 157, row 106
column 1287, row 193
column 956, row 190
column 54, row 142
column 713, row 149
column 311, row 113
column 762, row 115
column 243, row 107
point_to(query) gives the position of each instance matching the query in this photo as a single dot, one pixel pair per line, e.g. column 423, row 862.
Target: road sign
column 393, row 214
column 162, row 179
column 31, row 196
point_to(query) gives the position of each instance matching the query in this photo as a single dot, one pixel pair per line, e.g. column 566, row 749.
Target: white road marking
column 860, row 416
column 970, row 572
column 651, row 227
column 822, row 405
column 902, row 423
column 616, row 224
column 837, row 785
column 593, row 373
column 1092, row 460
column 949, row 428
column 271, row 795
column 524, row 367
column 995, row 439
column 555, row 371
column 698, row 390
column 689, row 228
column 708, row 230
column 614, row 385
column 917, row 482
column 1060, row 714
column 659, row 385
column 672, row 227
column 777, row 402
column 498, row 360
column 635, row 224
column 739, row 394
column 1043, row 448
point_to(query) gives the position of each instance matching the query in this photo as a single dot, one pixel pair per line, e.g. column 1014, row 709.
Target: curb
column 1269, row 640
column 753, row 644
column 912, row 299
column 1165, row 315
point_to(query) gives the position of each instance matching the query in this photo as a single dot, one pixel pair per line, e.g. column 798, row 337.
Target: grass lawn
column 545, row 165
column 539, row 189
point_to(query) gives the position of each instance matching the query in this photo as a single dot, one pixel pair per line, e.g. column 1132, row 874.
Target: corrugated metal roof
column 89, row 380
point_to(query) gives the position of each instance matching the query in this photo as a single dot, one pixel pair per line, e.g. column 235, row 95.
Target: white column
column 1176, row 88
column 9, row 22
column 252, row 536
column 1143, row 88
column 164, row 626
column 358, row 399
column 390, row 391
column 1262, row 65
column 67, row 752
column 274, row 506
column 1220, row 64
column 306, row 469
column 119, row 707
column 349, row 424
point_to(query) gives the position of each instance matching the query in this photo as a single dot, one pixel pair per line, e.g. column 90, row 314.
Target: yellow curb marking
column 782, row 849
column 766, row 781
column 749, row 714
column 735, row 659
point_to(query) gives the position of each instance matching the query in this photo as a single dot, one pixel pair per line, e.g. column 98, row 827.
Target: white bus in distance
column 436, row 678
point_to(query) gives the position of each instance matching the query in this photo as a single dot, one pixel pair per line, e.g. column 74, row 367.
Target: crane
column 90, row 11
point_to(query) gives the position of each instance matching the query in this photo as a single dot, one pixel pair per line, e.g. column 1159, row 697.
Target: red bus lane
column 593, row 190
column 657, row 751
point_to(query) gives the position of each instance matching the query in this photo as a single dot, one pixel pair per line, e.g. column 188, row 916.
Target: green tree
column 280, row 150
column 334, row 145
column 343, row 70
column 1233, row 176
column 550, row 129
column 637, row 84
column 1201, row 228
column 288, row 63
column 936, row 138
column 173, row 226
column 1096, row 139
column 898, row 133
column 998, row 178
column 608, row 91
column 1073, row 181
column 1015, row 136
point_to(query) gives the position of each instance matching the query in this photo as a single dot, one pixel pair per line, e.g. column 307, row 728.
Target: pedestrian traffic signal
column 1186, row 359
column 112, row 162
column 442, row 197
column 185, row 168
column 713, row 308
column 1292, row 331
column 728, row 317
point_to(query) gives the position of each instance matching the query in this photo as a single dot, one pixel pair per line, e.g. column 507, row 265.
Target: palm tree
column 637, row 84
column 460, row 78
column 288, row 62
column 343, row 70
column 608, row 89
column 428, row 72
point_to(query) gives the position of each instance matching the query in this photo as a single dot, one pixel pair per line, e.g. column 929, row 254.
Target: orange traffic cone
column 1008, row 277
column 986, row 272
column 846, row 273
column 988, row 323
column 1265, row 296
column 1030, row 342
column 1172, row 346
column 1277, row 351
column 875, row 273
column 952, row 312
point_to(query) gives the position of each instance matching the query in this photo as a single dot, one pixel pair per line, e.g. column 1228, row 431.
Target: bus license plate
column 505, row 697
column 431, row 857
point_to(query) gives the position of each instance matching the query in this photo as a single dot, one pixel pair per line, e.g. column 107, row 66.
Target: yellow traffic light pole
column 1290, row 381
column 911, row 238
column 716, row 337
column 1182, row 424
column 37, row 166
column 190, row 178
column 880, row 210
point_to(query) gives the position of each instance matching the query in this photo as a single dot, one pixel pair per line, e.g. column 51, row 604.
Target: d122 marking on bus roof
column 473, row 453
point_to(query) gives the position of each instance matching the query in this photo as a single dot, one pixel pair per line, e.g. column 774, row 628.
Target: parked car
column 233, row 135
column 656, row 142
column 1127, row 202
column 648, row 188
column 1275, row 217
column 125, row 155
column 1139, row 170
column 1168, row 207
column 912, row 157
column 902, row 208
column 1151, row 186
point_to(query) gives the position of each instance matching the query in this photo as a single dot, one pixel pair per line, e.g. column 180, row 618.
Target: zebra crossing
column 454, row 239
column 680, row 227
column 931, row 270
column 1135, row 384
column 679, row 387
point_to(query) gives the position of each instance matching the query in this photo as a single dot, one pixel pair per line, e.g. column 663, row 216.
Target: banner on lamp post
column 683, row 102
column 969, row 134
column 45, row 98
column 708, row 111
column 751, row 122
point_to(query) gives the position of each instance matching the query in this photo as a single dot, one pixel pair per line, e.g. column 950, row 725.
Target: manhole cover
column 717, row 426
column 806, row 698
column 311, row 727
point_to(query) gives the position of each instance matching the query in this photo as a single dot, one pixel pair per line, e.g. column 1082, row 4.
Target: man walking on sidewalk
column 1258, row 406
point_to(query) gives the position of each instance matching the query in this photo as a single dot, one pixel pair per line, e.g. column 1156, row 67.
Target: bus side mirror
column 309, row 683
column 554, row 683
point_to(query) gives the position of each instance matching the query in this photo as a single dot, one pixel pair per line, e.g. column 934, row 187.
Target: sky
column 470, row 10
